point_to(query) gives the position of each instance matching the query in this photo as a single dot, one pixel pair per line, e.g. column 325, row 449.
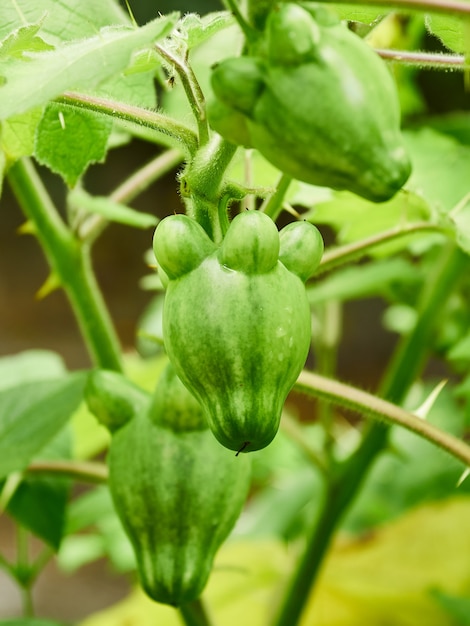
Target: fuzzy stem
column 250, row 33
column 163, row 125
column 373, row 407
column 195, row 614
column 456, row 7
column 192, row 89
column 83, row 471
column 353, row 251
column 70, row 262
column 272, row 206
column 425, row 60
column 201, row 184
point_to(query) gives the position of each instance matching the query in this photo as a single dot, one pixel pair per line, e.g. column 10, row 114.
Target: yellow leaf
column 382, row 578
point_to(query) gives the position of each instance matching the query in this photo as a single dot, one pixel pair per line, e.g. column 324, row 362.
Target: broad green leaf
column 18, row 134
column 61, row 21
column 457, row 607
column 450, row 29
column 460, row 217
column 28, row 366
column 100, row 533
column 89, row 508
column 440, row 168
column 110, row 210
column 22, row 40
column 460, row 352
column 80, row 64
column 69, row 140
column 194, row 30
column 135, row 88
column 40, row 502
column 355, row 13
column 32, row 414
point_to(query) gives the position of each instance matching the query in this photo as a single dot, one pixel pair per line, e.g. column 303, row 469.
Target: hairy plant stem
column 70, row 262
column 344, row 485
column 192, row 89
column 425, row 60
column 202, row 184
column 373, row 407
column 194, row 614
column 83, row 471
column 163, row 126
column 341, row 255
column 272, row 206
column 22, row 570
column 250, row 33
column 456, row 7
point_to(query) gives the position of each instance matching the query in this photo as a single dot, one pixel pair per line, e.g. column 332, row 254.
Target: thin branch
column 84, row 471
column 376, row 408
column 458, row 7
column 192, row 89
column 140, row 180
column 429, row 60
column 357, row 249
column 158, row 122
column 130, row 188
column 194, row 614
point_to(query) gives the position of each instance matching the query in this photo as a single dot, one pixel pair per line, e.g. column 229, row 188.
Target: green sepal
column 173, row 406
column 180, row 245
column 229, row 123
column 113, row 399
column 301, row 248
column 251, row 244
column 239, row 82
column 292, row 35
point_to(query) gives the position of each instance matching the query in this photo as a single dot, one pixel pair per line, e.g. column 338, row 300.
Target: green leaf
column 32, row 414
column 110, row 210
column 30, row 365
column 61, row 21
column 22, row 40
column 355, row 13
column 440, row 168
column 80, row 64
column 451, row 30
column 40, row 503
column 95, row 510
column 69, row 140
column 457, row 607
column 460, row 218
column 18, row 134
column 460, row 352
column 194, row 29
